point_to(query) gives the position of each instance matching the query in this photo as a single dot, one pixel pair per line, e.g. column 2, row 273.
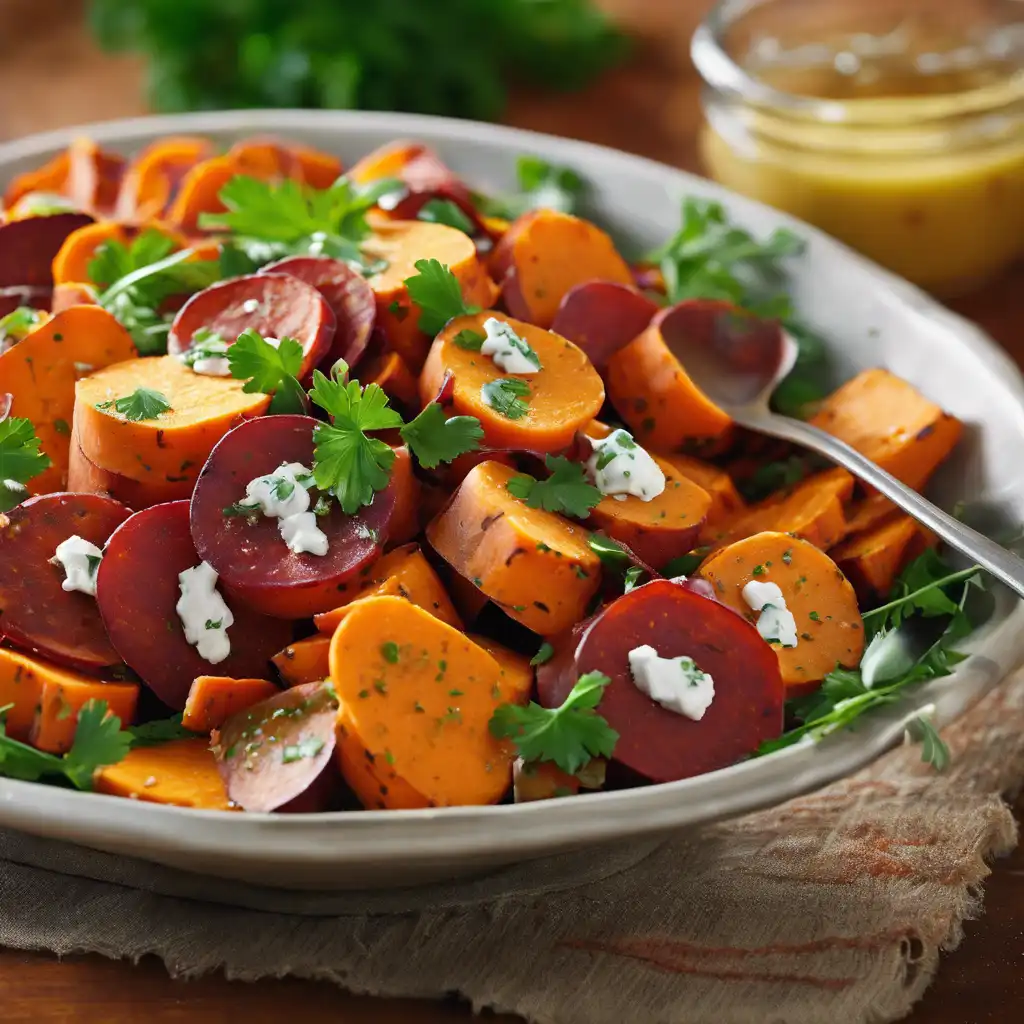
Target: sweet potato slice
column 41, row 371
column 651, row 391
column 154, row 175
column 813, row 510
column 21, row 685
column 173, row 447
column 541, row 780
column 416, row 699
column 304, row 661
column 516, row 676
column 199, row 193
column 214, row 699
column 725, row 499
column 544, row 255
column 892, row 423
column 873, row 559
column 61, row 698
column 51, row 177
column 390, row 373
column 403, row 572
column 401, row 244
column 534, row 564
column 564, row 396
column 182, row 773
column 71, row 264
column 829, row 627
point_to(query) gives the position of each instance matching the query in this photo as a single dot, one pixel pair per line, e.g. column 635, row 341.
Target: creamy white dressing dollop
column 619, row 467
column 79, row 559
column 214, row 366
column 776, row 622
column 205, row 617
column 509, row 352
column 675, row 683
column 284, row 495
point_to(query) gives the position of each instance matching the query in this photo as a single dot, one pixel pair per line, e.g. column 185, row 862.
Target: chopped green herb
column 544, row 654
column 305, row 748
column 389, row 651
column 444, row 211
column 567, row 490
column 141, row 404
column 505, row 396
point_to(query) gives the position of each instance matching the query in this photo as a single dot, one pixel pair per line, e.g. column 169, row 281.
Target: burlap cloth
column 831, row 908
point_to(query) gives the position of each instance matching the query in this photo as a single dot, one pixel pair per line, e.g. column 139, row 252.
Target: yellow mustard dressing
column 922, row 172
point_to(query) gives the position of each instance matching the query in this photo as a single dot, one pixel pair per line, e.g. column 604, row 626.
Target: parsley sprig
column 903, row 651
column 541, row 186
column 436, row 290
column 273, row 219
column 505, row 396
column 99, row 740
column 141, row 404
column 567, row 490
column 270, row 369
column 444, row 211
column 21, row 458
column 351, row 464
column 570, row 735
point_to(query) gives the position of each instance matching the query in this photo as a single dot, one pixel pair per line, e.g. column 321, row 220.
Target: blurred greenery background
column 451, row 57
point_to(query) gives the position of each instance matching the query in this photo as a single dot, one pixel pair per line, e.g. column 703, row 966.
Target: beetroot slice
column 602, row 317
column 277, row 752
column 249, row 553
column 35, row 611
column 675, row 620
column 137, row 590
column 27, row 248
column 348, row 294
column 275, row 305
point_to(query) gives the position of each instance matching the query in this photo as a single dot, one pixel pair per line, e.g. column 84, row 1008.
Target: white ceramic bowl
column 870, row 318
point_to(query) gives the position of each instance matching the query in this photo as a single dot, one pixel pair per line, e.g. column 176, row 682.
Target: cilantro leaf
column 436, row 290
column 433, row 439
column 292, row 218
column 272, row 370
column 347, row 462
column 632, row 578
column 152, row 734
column 141, row 404
column 206, row 344
column 444, row 211
column 611, row 554
column 21, row 458
column 541, row 186
column 569, row 735
column 505, row 396
column 18, row 323
column 471, row 341
column 99, row 740
column 566, row 490
column 684, row 565
column 114, row 259
column 774, row 476
column 933, row 748
column 544, row 654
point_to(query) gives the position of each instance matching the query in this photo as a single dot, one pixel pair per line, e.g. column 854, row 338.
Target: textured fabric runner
column 832, row 907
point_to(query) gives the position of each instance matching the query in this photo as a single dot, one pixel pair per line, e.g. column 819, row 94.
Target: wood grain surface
column 51, row 75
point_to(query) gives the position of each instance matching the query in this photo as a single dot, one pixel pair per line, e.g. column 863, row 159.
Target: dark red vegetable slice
column 347, row 293
column 675, row 620
column 602, row 317
column 278, row 755
column 249, row 553
column 27, row 248
column 137, row 589
column 276, row 305
column 35, row 612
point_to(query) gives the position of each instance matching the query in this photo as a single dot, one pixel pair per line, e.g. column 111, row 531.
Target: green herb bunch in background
column 453, row 57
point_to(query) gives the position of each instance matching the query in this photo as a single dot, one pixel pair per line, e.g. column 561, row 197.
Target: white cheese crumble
column 79, row 559
column 509, row 352
column 215, row 366
column 204, row 616
column 775, row 623
column 620, row 467
column 284, row 495
column 250, row 305
column 674, row 683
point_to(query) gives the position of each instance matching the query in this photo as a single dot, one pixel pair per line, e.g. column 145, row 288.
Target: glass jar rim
column 722, row 73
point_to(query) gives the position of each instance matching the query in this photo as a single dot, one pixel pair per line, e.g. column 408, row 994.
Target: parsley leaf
column 141, row 404
column 293, row 219
column 933, row 748
column 569, row 735
column 774, row 476
column 152, row 734
column 99, row 740
column 433, row 439
column 114, row 260
column 611, row 554
column 270, row 369
column 505, row 396
column 436, row 290
column 347, row 462
column 18, row 323
column 20, row 459
column 471, row 341
column 566, row 490
column 206, row 344
column 541, row 186
column 444, row 211
column 544, row 654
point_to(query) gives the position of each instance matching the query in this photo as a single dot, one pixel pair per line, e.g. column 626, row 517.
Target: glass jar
column 895, row 125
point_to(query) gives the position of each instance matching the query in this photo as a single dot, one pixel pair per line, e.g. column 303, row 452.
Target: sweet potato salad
column 329, row 489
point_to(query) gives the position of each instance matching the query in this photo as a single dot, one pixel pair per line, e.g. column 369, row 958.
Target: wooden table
column 50, row 75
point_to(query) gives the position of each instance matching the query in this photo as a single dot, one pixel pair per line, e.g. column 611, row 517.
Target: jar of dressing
column 895, row 125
